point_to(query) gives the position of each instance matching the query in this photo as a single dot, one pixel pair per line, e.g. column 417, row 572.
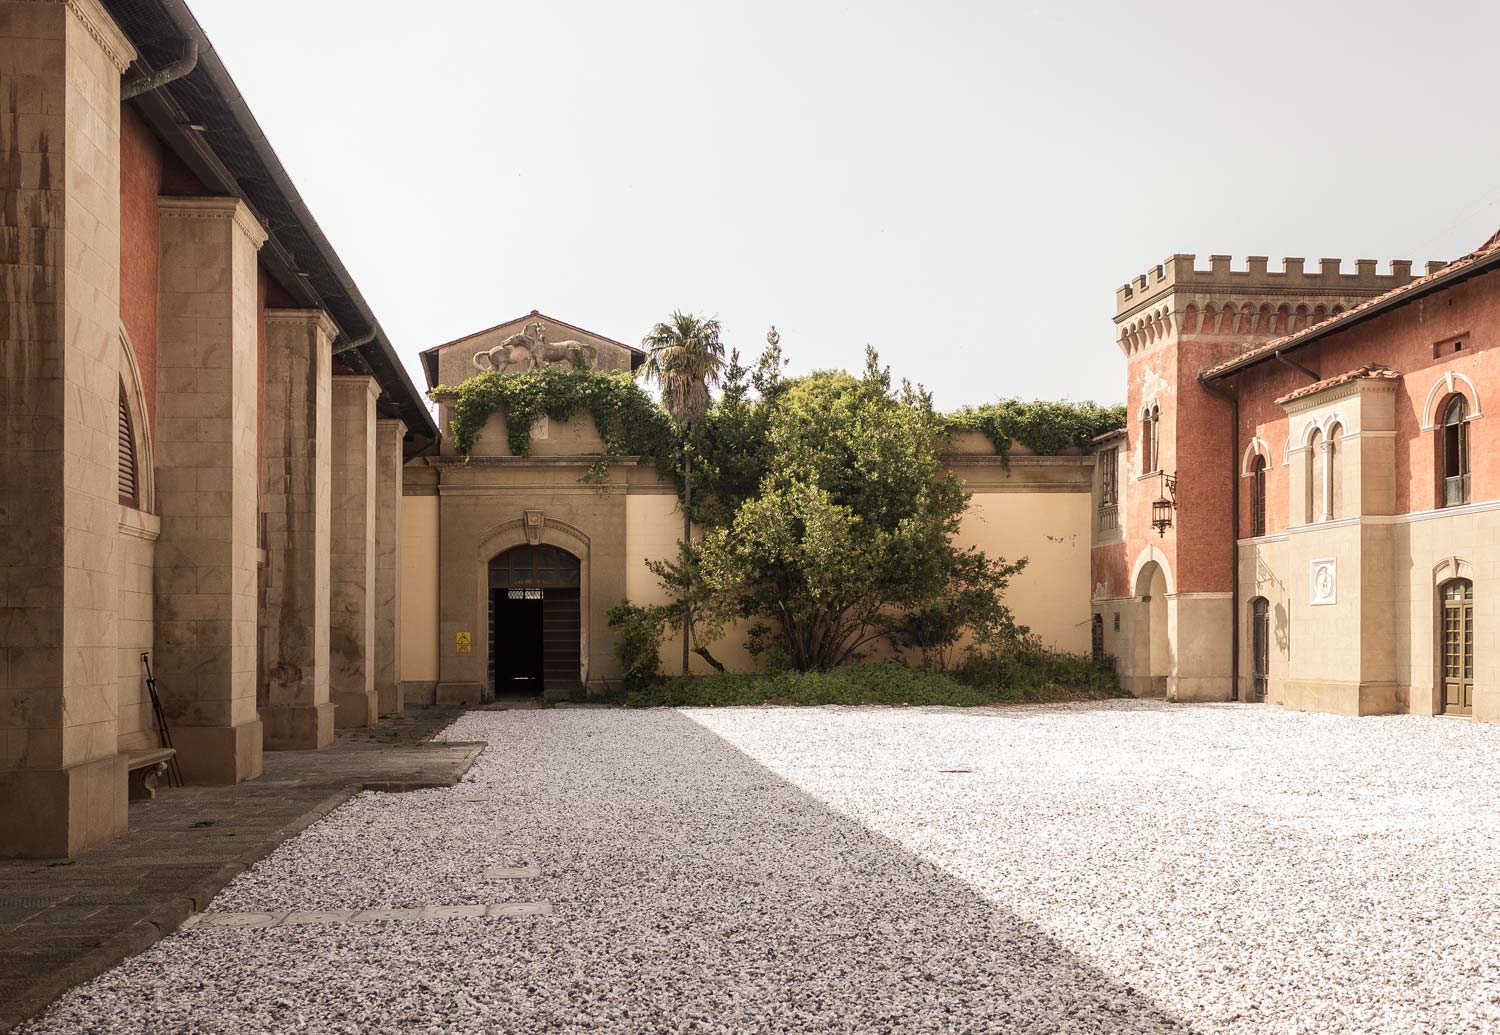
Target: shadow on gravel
column 910, row 948
column 693, row 891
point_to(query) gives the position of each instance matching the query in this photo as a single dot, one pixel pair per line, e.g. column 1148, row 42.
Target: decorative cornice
column 139, row 524
column 316, row 318
column 351, row 380
column 99, row 25
column 1334, row 393
column 215, row 208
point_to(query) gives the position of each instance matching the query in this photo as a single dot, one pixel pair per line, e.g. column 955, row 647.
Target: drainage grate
column 301, row 917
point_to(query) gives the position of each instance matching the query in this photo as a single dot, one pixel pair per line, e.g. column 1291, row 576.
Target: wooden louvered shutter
column 129, row 495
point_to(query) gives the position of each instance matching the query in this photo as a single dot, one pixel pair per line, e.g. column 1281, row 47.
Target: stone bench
column 145, row 769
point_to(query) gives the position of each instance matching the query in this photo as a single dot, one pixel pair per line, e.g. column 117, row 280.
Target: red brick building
column 1302, row 509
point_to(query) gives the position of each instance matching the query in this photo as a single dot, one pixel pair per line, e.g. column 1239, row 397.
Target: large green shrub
column 638, row 635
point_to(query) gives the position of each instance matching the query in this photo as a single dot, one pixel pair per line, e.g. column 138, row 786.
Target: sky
column 961, row 185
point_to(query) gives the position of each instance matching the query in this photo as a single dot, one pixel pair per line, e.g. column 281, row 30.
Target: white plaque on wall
column 1323, row 584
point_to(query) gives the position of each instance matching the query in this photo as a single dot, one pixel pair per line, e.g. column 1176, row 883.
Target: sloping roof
column 1483, row 259
column 1370, row 371
column 429, row 355
column 206, row 122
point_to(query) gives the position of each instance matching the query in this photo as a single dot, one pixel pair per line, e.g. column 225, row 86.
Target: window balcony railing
column 1109, row 518
column 1456, row 490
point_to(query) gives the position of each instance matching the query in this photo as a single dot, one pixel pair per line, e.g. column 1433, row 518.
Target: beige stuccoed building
column 509, row 563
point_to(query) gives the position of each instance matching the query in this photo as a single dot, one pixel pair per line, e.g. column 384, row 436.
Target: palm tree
column 684, row 357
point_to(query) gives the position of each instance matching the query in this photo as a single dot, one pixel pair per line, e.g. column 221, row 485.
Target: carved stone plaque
column 1323, row 581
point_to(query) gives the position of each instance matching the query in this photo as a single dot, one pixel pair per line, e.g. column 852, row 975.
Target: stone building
column 182, row 349
column 510, row 562
column 1302, row 509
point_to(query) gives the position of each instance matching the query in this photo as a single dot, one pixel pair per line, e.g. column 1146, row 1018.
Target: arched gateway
column 534, row 622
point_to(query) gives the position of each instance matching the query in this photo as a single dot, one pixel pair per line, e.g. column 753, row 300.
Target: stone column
column 388, row 459
column 351, row 623
column 207, row 467
column 62, row 785
column 296, row 493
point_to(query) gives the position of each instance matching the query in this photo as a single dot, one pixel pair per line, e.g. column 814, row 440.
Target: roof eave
column 379, row 355
column 1479, row 266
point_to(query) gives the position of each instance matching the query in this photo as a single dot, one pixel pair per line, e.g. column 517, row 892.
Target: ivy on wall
column 1046, row 428
column 632, row 424
column 628, row 420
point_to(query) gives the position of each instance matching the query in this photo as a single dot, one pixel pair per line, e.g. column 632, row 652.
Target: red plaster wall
column 1404, row 340
column 1110, row 566
column 140, row 184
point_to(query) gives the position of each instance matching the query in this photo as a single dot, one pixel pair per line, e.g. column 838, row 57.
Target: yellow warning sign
column 463, row 643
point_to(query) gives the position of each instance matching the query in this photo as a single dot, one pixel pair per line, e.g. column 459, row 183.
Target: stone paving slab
column 65, row 921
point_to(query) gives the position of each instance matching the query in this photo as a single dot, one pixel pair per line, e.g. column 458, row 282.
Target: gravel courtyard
column 1119, row 867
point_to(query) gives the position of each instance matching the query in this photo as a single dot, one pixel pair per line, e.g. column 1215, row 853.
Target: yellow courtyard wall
column 419, row 592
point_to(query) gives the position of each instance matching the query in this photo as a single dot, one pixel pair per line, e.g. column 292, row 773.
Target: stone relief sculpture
column 530, row 350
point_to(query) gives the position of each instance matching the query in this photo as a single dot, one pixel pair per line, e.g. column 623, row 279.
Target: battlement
column 1221, row 277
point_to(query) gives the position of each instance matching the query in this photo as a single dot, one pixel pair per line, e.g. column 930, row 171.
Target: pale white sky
column 963, row 185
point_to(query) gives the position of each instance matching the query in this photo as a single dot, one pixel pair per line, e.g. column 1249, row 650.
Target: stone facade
column 166, row 493
column 59, row 336
column 387, row 604
column 296, row 500
column 206, row 484
column 352, row 610
column 1314, row 536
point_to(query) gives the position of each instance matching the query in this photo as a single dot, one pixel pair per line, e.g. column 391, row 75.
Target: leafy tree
column 969, row 602
column 684, row 357
column 852, row 524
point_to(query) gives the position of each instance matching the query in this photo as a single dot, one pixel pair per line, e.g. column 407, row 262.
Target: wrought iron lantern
column 1165, row 504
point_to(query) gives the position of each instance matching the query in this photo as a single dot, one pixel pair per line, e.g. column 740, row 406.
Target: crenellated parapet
column 1244, row 305
column 1180, row 271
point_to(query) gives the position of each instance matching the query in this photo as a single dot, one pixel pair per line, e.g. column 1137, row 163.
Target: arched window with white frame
column 1150, row 439
column 1453, row 452
column 1313, row 488
column 1333, row 488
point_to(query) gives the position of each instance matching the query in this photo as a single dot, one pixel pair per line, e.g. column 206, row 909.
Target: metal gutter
column 377, row 356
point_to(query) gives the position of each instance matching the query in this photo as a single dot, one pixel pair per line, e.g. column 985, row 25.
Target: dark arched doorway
column 534, row 621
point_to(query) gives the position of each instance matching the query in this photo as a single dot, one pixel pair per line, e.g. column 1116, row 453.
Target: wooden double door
column 535, row 622
column 1457, row 647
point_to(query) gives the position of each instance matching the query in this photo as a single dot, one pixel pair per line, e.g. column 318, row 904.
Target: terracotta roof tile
column 1366, row 372
column 1489, row 248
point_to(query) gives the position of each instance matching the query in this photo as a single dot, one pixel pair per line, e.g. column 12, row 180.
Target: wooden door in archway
column 535, row 622
column 1458, row 647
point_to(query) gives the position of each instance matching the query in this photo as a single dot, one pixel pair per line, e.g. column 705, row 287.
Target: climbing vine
column 628, row 420
column 1046, row 428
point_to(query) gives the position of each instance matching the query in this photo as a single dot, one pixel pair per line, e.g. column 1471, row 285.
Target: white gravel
column 1125, row 867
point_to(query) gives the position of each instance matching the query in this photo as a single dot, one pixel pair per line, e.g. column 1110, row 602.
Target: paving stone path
column 63, row 922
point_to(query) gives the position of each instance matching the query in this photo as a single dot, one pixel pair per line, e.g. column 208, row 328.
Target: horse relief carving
column 530, row 350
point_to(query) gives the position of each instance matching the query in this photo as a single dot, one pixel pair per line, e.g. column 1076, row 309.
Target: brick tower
column 1163, row 596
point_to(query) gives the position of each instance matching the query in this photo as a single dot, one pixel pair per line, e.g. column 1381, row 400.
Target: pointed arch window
column 129, row 471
